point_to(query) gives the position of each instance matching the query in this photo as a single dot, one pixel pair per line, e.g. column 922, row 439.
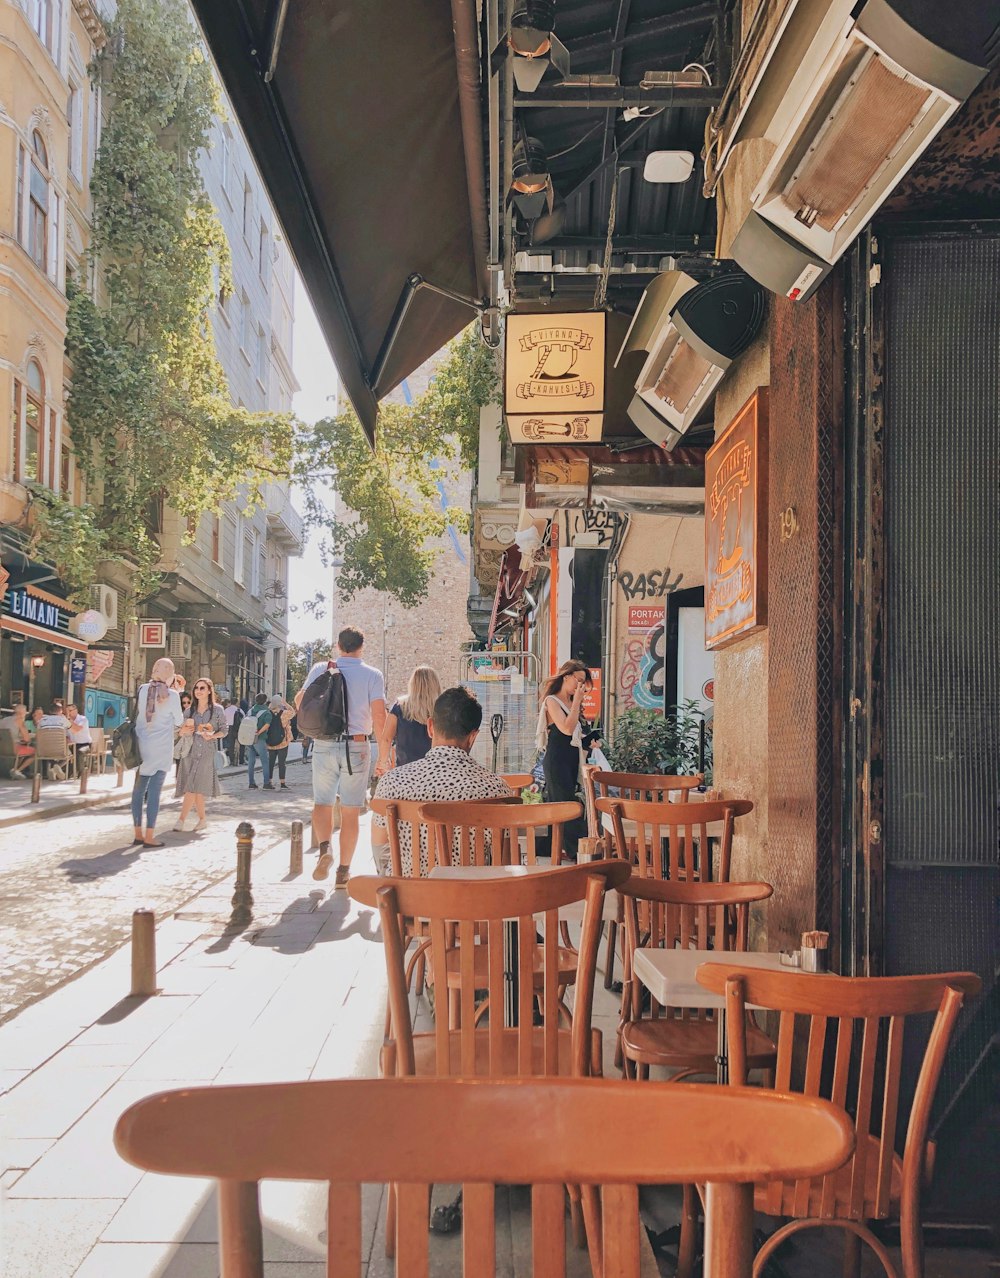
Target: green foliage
column 391, row 545
column 72, row 540
column 301, row 655
column 149, row 409
column 645, row 741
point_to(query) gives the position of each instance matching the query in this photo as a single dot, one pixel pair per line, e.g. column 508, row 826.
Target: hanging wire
column 601, row 295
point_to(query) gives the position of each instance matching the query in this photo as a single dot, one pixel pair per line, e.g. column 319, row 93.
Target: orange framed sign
column 736, row 527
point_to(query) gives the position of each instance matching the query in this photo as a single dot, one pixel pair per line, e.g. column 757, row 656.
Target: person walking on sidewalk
column 340, row 768
column 257, row 748
column 197, row 778
column 279, row 737
column 157, row 715
column 233, row 716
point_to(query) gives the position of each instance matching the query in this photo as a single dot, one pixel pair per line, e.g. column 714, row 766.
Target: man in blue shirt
column 331, row 778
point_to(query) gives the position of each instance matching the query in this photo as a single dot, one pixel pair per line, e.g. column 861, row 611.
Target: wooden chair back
column 672, row 840
column 52, row 745
column 853, row 1057
column 402, row 816
column 459, row 911
column 679, row 915
column 481, row 833
column 418, row 1132
column 99, row 750
column 647, row 786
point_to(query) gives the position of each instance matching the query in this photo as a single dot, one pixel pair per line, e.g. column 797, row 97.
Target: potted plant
column 646, row 741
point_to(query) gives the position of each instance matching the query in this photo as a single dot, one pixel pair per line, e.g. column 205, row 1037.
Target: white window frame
column 74, row 117
column 255, row 565
column 245, row 326
column 238, row 557
column 262, row 360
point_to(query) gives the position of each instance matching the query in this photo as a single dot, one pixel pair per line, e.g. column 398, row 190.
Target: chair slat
column 863, row 1111
column 890, row 1109
column 467, row 994
column 439, row 963
column 838, row 1094
column 620, row 1256
column 525, row 993
column 241, row 1238
column 479, row 1243
column 497, row 992
column 548, row 1231
column 550, row 992
column 782, row 1083
column 412, row 1259
column 811, row 1087
column 343, row 1226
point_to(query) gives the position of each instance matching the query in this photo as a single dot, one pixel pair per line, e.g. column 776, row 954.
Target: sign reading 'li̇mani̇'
column 554, row 377
column 736, row 527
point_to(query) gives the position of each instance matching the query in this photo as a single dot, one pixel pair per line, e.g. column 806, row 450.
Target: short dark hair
column 260, row 699
column 456, row 714
column 350, row 640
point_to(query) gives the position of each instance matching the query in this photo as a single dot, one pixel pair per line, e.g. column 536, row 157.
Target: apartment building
column 49, row 130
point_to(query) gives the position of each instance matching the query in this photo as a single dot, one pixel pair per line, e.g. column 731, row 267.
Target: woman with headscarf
column 157, row 715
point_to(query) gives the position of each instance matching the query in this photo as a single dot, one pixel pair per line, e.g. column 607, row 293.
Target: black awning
column 359, row 141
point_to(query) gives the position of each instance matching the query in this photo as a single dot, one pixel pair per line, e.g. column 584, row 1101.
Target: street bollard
column 84, row 773
column 295, row 857
column 36, row 785
column 120, row 781
column 143, row 953
column 242, row 897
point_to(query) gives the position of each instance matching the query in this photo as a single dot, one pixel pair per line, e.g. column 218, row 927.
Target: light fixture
column 531, row 190
column 668, row 166
column 849, row 98
column 38, row 662
column 691, row 333
column 534, row 44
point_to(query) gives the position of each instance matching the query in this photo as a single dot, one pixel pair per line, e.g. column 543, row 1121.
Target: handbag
column 220, row 761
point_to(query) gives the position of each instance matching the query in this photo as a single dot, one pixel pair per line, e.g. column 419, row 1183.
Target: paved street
column 70, row 883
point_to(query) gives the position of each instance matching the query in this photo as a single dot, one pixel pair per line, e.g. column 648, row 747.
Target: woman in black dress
column 565, row 735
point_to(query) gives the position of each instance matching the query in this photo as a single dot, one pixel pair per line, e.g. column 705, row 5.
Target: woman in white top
column 157, row 714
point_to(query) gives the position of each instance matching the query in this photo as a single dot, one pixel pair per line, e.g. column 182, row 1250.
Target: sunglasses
column 203, row 687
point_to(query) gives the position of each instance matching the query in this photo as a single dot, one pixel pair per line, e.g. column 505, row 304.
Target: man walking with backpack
column 253, row 734
column 340, row 704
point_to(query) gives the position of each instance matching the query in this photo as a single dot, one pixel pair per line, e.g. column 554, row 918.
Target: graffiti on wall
column 642, row 670
column 590, row 520
column 649, row 585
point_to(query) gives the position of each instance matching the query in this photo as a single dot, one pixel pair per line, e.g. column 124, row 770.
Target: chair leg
column 419, row 974
column 851, row 1227
column 390, row 1220
column 852, row 1256
column 689, row 1233
column 591, row 1198
column 576, row 1217
column 609, row 955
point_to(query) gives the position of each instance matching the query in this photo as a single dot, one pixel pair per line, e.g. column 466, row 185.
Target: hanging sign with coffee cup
column 554, row 377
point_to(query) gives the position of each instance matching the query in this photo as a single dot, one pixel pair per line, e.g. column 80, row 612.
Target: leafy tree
column 301, row 655
column 149, row 409
column 388, row 541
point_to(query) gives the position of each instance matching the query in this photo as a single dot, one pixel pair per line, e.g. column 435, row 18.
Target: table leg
column 510, row 965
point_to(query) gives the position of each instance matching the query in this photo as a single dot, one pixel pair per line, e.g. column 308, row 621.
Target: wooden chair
column 99, row 751
column 52, row 746
column 853, row 1056
column 684, row 915
column 468, row 911
column 483, row 832
column 416, row 1132
column 672, row 840
column 646, row 786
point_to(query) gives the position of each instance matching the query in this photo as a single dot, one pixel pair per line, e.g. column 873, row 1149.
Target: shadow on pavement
column 102, row 866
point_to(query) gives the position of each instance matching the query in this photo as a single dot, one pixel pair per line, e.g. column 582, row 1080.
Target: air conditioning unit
column 179, row 645
column 105, row 600
column 691, row 334
column 850, row 96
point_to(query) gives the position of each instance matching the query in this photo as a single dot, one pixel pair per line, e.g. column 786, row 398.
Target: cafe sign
column 35, row 610
column 554, row 377
column 736, row 527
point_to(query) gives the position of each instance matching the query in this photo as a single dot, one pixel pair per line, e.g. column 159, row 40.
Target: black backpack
column 323, row 708
column 275, row 730
column 125, row 746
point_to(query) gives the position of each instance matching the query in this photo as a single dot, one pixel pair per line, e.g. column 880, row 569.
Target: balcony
column 284, row 523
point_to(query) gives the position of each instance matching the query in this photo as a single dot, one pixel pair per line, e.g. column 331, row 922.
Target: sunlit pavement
column 68, row 885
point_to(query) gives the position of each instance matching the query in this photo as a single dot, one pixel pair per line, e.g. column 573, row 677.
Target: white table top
column 669, row 975
column 572, row 913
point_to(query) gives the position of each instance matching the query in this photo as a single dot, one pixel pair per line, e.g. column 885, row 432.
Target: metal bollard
column 120, row 777
column 36, row 785
column 143, row 953
column 242, row 897
column 84, row 773
column 295, row 856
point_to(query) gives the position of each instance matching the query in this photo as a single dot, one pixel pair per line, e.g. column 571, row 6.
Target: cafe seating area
column 496, row 1069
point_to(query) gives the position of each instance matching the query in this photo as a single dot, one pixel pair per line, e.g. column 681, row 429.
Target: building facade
column 49, row 131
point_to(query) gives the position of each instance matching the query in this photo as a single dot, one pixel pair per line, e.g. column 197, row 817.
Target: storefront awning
column 358, row 138
column 510, row 589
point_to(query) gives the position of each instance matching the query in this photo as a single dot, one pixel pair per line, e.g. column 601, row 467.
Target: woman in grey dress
column 197, row 779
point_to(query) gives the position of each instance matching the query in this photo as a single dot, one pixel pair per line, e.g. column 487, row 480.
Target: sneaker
column 283, row 786
column 322, row 870
column 251, row 786
column 269, row 786
column 342, row 875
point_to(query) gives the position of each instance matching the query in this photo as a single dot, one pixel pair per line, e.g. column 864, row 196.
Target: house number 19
column 789, row 523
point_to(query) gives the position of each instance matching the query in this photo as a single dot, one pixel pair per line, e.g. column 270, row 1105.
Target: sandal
column 155, row 844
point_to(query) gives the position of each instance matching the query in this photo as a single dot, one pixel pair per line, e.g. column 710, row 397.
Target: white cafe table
column 669, row 975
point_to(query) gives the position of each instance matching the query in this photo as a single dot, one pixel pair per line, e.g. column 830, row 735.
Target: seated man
column 80, row 738
column 16, row 725
column 447, row 773
column 56, row 719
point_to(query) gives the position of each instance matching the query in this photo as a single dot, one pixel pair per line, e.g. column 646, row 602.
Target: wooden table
column 669, row 975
